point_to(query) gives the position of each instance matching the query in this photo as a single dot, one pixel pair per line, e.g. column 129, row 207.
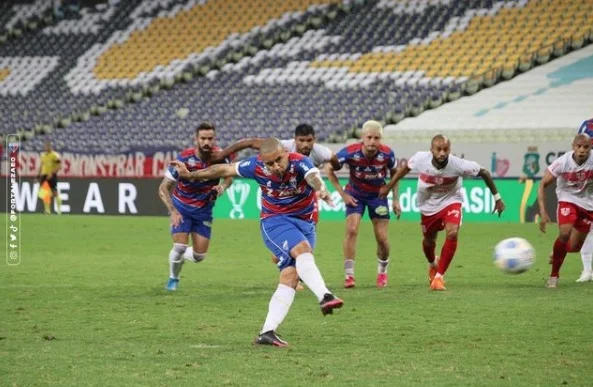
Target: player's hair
column 206, row 125
column 269, row 145
column 304, row 130
column 440, row 137
column 372, row 125
column 581, row 136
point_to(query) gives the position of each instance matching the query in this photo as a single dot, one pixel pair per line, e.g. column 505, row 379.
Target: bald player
column 440, row 178
column 574, row 189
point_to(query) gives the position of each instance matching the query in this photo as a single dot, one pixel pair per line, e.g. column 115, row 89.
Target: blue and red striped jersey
column 289, row 195
column 193, row 196
column 587, row 128
column 367, row 174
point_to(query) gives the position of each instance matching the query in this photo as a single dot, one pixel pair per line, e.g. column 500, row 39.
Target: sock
column 176, row 259
column 59, row 206
column 429, row 251
column 349, row 267
column 279, row 307
column 587, row 252
column 447, row 254
column 188, row 254
column 382, row 267
column 46, row 207
column 558, row 257
column 309, row 273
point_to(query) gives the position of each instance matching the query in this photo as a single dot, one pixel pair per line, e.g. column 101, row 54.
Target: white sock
column 382, row 267
column 309, row 273
column 176, row 259
column 189, row 253
column 279, row 307
column 587, row 252
column 349, row 267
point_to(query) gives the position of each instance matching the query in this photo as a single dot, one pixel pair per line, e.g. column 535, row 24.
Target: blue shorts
column 378, row 208
column 282, row 233
column 199, row 223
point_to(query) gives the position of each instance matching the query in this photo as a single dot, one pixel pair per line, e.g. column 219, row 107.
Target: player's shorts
column 316, row 213
column 199, row 223
column 53, row 182
column 570, row 213
column 282, row 233
column 436, row 222
column 378, row 208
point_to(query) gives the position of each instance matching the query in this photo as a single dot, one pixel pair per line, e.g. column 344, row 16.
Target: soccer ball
column 514, row 255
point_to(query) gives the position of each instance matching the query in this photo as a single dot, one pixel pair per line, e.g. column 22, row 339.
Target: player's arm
column 165, row 189
column 333, row 179
column 541, row 199
column 395, row 198
column 499, row 205
column 215, row 171
column 314, row 179
column 253, row 143
column 394, row 182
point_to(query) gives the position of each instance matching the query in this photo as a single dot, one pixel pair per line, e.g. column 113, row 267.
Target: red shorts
column 436, row 222
column 570, row 213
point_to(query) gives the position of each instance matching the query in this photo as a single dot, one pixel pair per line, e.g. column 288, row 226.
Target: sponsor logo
column 238, row 193
column 531, row 162
column 381, row 210
column 499, row 166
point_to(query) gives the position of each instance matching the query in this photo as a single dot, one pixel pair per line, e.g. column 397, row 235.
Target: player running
column 190, row 203
column 574, row 188
column 369, row 161
column 587, row 249
column 440, row 201
column 288, row 182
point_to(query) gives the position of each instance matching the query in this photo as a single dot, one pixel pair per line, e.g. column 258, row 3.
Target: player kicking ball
column 439, row 198
column 288, row 182
column 574, row 189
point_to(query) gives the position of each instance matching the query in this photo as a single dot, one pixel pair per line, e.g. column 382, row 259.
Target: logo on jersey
column 381, row 210
column 380, row 157
column 304, row 167
column 245, row 164
column 238, row 194
column 191, row 162
column 531, row 162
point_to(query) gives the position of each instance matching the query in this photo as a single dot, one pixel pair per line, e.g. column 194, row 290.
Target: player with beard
column 190, row 203
column 369, row 161
column 440, row 200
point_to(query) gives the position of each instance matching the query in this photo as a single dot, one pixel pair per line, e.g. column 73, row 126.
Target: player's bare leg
column 429, row 243
column 380, row 228
column 299, row 286
column 447, row 254
column 180, row 241
column 587, row 258
column 352, row 226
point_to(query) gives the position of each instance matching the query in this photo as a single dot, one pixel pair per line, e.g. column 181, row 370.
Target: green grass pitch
column 87, row 307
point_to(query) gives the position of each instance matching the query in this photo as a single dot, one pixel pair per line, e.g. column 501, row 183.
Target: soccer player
column 51, row 163
column 587, row 249
column 440, row 201
column 574, row 188
column 369, row 162
column 288, row 182
column 303, row 143
column 190, row 203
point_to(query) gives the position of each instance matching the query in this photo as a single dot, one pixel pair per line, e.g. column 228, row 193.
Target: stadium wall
column 117, row 196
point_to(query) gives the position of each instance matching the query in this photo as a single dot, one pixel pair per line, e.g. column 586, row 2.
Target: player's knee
column 351, row 231
column 564, row 236
column 452, row 234
column 198, row 257
column 179, row 248
column 383, row 242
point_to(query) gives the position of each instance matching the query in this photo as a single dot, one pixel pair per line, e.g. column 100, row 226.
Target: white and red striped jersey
column 574, row 182
column 438, row 188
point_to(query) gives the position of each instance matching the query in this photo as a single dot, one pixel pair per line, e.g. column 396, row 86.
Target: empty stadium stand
column 138, row 75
